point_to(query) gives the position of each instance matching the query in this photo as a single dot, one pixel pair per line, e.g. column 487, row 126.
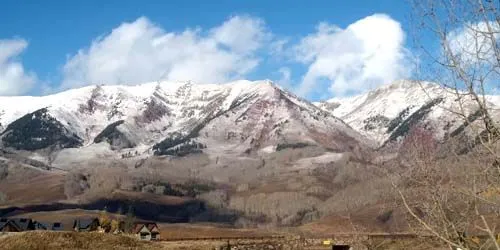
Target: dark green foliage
column 171, row 141
column 190, row 188
column 178, row 145
column 471, row 118
column 114, row 136
column 193, row 188
column 38, row 130
column 484, row 136
column 282, row 146
column 109, row 132
column 414, row 119
column 394, row 123
column 189, row 147
column 375, row 121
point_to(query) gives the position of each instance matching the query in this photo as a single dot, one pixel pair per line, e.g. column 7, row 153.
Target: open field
column 45, row 187
column 38, row 240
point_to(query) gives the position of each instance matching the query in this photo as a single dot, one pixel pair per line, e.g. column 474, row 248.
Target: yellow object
column 476, row 240
column 326, row 242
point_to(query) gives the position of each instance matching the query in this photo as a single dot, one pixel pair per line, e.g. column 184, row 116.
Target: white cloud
column 142, row 51
column 14, row 80
column 285, row 80
column 366, row 54
column 473, row 43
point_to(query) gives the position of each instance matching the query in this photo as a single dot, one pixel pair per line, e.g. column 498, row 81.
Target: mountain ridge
column 172, row 118
column 379, row 114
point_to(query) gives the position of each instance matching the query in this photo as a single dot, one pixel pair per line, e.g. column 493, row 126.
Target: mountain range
column 179, row 118
column 249, row 147
column 169, row 118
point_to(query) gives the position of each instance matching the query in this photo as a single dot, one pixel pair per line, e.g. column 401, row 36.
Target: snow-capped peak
column 378, row 113
column 166, row 116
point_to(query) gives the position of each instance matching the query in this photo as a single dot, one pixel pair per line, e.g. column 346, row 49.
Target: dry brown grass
column 188, row 231
column 44, row 188
column 40, row 240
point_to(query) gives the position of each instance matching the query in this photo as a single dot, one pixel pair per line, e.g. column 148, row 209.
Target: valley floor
column 38, row 240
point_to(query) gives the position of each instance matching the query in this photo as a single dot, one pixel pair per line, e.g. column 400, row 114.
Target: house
column 24, row 224
column 57, row 226
column 16, row 224
column 41, row 226
column 86, row 225
column 120, row 228
column 7, row 226
column 146, row 231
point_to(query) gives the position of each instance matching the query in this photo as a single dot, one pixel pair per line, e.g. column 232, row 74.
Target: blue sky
column 45, row 39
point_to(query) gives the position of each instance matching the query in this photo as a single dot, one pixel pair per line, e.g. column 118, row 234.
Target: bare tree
column 448, row 195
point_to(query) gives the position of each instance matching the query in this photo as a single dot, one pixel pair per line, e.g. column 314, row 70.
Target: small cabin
column 24, row 224
column 16, row 224
column 7, row 226
column 41, row 226
column 56, row 226
column 86, row 225
column 146, row 231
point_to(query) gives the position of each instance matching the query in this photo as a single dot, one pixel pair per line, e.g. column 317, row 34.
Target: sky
column 316, row 49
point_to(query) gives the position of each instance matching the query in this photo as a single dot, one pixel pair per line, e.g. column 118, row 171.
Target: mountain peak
column 387, row 113
column 181, row 117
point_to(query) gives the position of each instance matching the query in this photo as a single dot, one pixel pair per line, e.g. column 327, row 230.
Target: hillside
column 244, row 153
column 385, row 114
column 167, row 118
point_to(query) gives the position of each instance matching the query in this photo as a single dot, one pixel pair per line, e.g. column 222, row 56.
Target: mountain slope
column 387, row 113
column 171, row 118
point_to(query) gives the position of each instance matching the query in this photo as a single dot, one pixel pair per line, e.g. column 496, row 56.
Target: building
column 56, row 226
column 86, row 225
column 8, row 226
column 41, row 226
column 27, row 224
column 146, row 231
column 17, row 224
column 24, row 224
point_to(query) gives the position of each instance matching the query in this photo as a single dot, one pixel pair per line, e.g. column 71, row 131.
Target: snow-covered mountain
column 387, row 113
column 170, row 118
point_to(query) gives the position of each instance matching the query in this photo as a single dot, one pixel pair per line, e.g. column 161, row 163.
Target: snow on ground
column 388, row 102
column 312, row 162
column 268, row 149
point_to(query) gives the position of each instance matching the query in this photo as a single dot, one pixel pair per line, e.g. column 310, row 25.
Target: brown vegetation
column 42, row 240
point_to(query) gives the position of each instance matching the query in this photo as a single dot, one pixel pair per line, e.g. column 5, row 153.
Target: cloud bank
column 14, row 80
column 367, row 53
column 328, row 61
column 142, row 51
